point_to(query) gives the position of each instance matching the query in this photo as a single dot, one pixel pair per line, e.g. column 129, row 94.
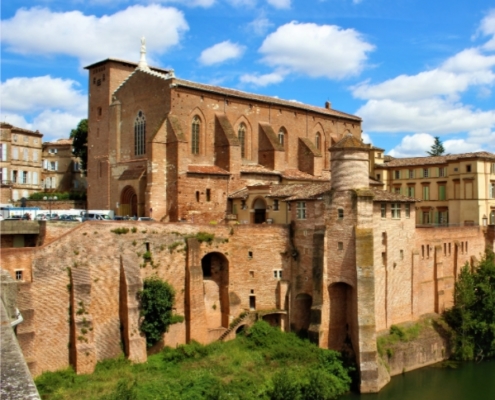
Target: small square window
column 251, row 274
column 250, row 254
column 383, row 208
column 341, row 213
column 340, row 245
column 275, row 205
column 18, row 275
column 402, row 254
column 468, row 168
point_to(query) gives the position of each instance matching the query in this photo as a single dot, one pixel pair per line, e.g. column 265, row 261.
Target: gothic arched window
column 281, row 136
column 195, row 130
column 140, row 134
column 318, row 140
column 242, row 139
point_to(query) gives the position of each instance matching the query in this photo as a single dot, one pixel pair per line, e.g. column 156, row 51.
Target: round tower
column 349, row 164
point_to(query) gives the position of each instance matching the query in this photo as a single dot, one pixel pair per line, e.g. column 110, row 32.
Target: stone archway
column 341, row 321
column 215, row 268
column 128, row 202
column 259, row 206
column 301, row 317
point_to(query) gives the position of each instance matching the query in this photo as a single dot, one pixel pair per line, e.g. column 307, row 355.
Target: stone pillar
column 130, row 285
column 83, row 351
column 197, row 327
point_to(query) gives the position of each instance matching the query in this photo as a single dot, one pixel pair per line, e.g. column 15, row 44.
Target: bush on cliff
column 472, row 318
column 157, row 299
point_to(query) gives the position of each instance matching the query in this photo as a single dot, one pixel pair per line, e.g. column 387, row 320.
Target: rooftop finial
column 142, row 61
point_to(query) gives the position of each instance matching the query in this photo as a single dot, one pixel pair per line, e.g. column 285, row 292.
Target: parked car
column 96, row 217
column 145, row 219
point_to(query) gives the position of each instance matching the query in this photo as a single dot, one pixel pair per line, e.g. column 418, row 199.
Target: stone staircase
column 238, row 322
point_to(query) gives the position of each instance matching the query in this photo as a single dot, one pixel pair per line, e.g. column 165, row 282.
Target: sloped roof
column 257, row 169
column 59, row 142
column 384, row 196
column 206, row 169
column 132, row 173
column 418, row 161
column 295, row 174
column 350, row 142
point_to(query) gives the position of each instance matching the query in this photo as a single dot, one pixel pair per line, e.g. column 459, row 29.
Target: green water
column 469, row 381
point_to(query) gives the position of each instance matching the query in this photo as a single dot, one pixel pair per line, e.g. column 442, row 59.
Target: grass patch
column 264, row 363
column 385, row 343
column 120, row 231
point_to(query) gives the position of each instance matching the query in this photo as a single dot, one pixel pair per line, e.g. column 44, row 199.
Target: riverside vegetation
column 262, row 363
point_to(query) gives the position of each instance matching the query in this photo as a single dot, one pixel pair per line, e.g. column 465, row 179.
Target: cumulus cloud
column 53, row 112
column 279, row 3
column 418, row 144
column 434, row 102
column 221, row 52
column 90, row 38
column 316, row 50
column 487, row 28
column 263, row 80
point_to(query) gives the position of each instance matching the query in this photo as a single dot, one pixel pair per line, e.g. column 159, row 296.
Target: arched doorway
column 341, row 322
column 128, row 202
column 259, row 207
column 215, row 268
column 301, row 317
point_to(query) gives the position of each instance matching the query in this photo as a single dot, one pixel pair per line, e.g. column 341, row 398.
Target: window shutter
column 45, row 164
column 56, row 165
column 5, row 174
column 35, row 178
column 4, row 152
column 421, row 175
column 29, row 177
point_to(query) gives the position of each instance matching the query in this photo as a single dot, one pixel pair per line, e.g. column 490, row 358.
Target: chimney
column 328, row 105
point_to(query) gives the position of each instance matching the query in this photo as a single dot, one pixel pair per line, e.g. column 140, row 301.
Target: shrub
column 120, row 231
column 157, row 299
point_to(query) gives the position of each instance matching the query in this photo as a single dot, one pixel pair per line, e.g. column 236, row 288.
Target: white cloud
column 487, row 28
column 242, row 3
column 260, row 25
column 91, row 38
column 433, row 115
column 53, row 112
column 38, row 93
column 221, row 52
column 279, row 3
column 366, row 138
column 263, row 80
column 418, row 144
column 316, row 50
column 188, row 3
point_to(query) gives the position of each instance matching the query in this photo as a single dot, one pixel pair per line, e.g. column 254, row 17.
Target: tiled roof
column 206, row 169
column 59, row 142
column 6, row 125
column 295, row 174
column 257, row 169
column 309, row 191
column 240, row 194
column 418, row 161
column 130, row 63
column 132, row 173
column 374, row 182
column 264, row 99
column 382, row 195
column 350, row 142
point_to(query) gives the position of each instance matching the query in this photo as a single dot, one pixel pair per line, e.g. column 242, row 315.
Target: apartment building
column 20, row 163
column 454, row 189
column 61, row 170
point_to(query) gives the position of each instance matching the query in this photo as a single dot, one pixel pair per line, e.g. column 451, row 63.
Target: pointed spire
column 142, row 61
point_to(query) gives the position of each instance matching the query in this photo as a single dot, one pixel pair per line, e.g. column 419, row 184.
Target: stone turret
column 350, row 164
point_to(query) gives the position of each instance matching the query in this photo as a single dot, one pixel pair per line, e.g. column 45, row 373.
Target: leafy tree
column 472, row 317
column 79, row 138
column 157, row 299
column 437, row 148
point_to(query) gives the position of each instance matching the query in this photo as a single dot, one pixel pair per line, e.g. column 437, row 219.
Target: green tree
column 79, row 138
column 157, row 299
column 472, row 317
column 437, row 148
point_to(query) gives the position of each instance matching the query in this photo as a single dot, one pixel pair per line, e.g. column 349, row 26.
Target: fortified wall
column 78, row 294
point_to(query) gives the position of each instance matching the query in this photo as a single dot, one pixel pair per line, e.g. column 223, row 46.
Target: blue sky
column 412, row 69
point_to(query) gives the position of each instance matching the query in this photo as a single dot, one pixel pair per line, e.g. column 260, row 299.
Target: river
column 469, row 381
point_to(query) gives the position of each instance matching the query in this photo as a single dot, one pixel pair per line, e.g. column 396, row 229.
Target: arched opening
column 341, row 321
column 301, row 317
column 240, row 329
column 259, row 207
column 128, row 202
column 215, row 268
column 273, row 319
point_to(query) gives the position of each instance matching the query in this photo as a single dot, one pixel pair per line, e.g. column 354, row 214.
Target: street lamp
column 50, row 199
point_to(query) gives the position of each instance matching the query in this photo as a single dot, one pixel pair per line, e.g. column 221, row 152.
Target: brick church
column 303, row 237
column 175, row 150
